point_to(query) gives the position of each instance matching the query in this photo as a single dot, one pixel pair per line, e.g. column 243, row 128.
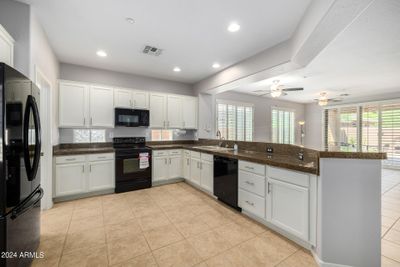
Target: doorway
column 47, row 152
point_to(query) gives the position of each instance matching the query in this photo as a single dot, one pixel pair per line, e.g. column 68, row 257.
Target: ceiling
column 364, row 60
column 192, row 33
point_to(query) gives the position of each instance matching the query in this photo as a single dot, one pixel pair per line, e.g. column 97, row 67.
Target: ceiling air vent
column 151, row 50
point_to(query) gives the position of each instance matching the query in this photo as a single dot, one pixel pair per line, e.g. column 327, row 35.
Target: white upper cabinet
column 73, row 108
column 158, row 104
column 101, row 107
column 174, row 111
column 126, row 98
column 6, row 47
column 189, row 112
column 122, row 98
column 140, row 100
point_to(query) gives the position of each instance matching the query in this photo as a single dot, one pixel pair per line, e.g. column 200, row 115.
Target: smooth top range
column 132, row 164
column 20, row 191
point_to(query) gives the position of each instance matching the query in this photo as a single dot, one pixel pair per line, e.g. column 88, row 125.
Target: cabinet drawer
column 207, row 157
column 195, row 154
column 292, row 177
column 252, row 182
column 160, row 153
column 175, row 152
column 252, row 203
column 70, row 159
column 252, row 167
column 99, row 157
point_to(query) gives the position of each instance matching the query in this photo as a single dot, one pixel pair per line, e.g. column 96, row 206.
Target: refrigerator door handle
column 31, row 169
column 27, row 204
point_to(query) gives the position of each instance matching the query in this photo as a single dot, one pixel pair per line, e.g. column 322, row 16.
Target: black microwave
column 131, row 117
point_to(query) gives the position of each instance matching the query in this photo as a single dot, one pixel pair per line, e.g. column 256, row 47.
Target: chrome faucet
column 219, row 136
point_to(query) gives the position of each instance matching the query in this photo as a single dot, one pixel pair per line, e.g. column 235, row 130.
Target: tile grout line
column 66, row 235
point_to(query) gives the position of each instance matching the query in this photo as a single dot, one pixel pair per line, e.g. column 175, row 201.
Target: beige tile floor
column 177, row 225
column 171, row 225
column 391, row 218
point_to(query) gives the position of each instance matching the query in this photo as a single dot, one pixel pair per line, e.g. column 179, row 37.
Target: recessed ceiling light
column 216, row 65
column 177, row 69
column 233, row 27
column 101, row 53
column 130, row 20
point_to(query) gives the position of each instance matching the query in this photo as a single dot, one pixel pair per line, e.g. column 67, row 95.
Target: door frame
column 45, row 120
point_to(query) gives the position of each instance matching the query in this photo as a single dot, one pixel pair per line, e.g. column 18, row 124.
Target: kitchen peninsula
column 328, row 202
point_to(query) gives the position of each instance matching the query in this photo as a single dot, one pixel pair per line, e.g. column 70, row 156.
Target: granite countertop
column 283, row 161
column 284, row 156
column 65, row 150
column 352, row 155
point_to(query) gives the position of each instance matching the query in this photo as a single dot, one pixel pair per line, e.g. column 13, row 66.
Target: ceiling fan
column 323, row 99
column 277, row 89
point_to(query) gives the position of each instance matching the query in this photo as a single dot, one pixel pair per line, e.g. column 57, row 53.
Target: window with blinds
column 349, row 129
column 332, row 137
column 366, row 128
column 370, row 128
column 390, row 120
column 235, row 121
column 283, row 126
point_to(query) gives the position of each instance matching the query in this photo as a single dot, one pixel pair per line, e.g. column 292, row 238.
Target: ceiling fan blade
column 260, row 91
column 335, row 100
column 292, row 89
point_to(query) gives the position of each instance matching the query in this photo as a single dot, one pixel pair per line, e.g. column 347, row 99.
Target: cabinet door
column 73, row 99
column 189, row 112
column 140, row 100
column 160, row 168
column 174, row 112
column 175, row 167
column 70, row 179
column 101, row 107
column 157, row 110
column 186, row 168
column 122, row 98
column 207, row 176
column 101, row 175
column 6, row 47
column 195, row 172
column 288, row 207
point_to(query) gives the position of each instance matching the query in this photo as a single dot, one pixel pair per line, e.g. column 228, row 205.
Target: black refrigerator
column 20, row 191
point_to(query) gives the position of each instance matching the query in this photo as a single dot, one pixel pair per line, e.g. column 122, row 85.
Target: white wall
column 15, row 16
column 43, row 59
column 314, row 126
column 93, row 75
column 262, row 114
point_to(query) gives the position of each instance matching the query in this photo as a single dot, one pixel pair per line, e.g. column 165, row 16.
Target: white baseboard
column 326, row 264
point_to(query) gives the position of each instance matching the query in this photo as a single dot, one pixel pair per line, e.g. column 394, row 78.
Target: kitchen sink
column 215, row 148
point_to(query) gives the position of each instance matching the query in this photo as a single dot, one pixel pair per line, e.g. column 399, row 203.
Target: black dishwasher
column 226, row 180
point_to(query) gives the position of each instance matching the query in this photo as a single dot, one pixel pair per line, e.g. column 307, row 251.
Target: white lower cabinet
column 175, row 167
column 281, row 197
column 70, row 179
column 101, row 175
column 186, row 164
column 252, row 203
column 202, row 170
column 83, row 173
column 288, row 207
column 166, row 164
column 160, row 169
column 195, row 171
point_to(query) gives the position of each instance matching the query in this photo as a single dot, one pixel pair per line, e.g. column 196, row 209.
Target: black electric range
column 132, row 164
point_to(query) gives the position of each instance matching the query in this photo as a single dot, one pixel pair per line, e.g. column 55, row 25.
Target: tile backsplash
column 68, row 135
